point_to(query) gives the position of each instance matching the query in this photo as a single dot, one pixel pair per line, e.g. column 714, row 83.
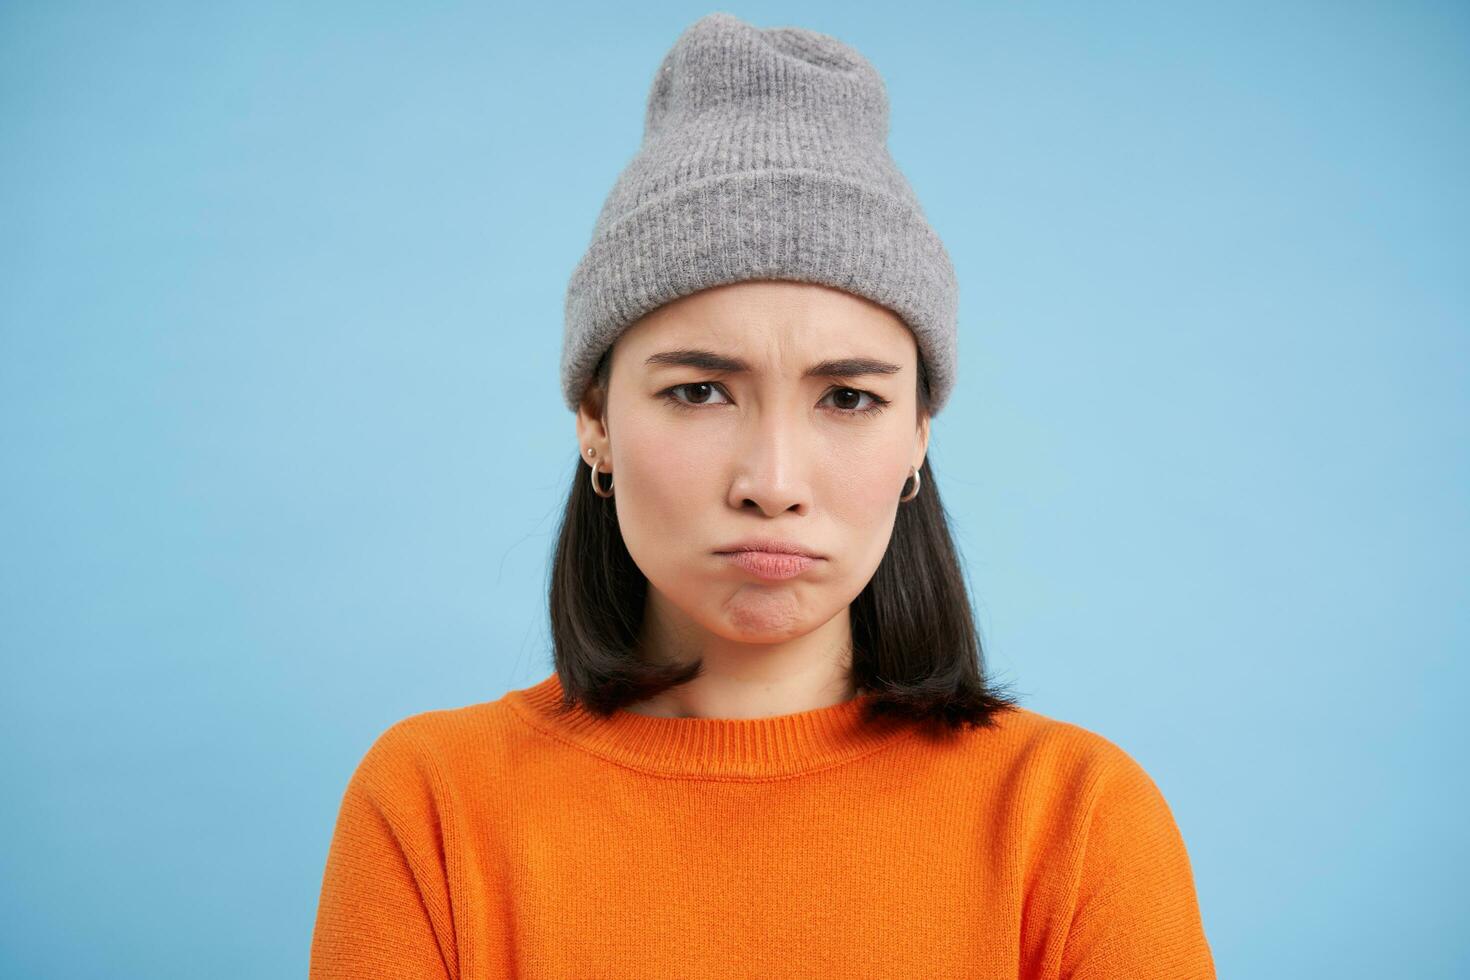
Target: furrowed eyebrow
column 706, row 360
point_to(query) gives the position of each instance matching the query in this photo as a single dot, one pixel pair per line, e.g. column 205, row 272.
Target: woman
column 768, row 747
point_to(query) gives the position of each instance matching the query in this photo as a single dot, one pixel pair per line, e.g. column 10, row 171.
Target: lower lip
column 771, row 564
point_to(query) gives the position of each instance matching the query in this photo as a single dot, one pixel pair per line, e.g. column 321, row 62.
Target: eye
column 875, row 403
column 700, row 392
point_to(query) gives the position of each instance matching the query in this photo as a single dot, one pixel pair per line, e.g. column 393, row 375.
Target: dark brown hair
column 914, row 639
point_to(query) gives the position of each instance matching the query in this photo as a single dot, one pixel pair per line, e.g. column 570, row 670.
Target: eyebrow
column 706, row 360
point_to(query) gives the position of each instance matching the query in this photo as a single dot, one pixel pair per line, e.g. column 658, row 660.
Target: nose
column 772, row 465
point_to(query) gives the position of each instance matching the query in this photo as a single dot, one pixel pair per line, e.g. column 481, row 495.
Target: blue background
column 283, row 448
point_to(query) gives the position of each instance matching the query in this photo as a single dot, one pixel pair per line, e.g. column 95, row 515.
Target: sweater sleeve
column 1136, row 914
column 384, row 906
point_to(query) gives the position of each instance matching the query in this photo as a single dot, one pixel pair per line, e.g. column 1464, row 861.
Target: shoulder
column 1051, row 747
column 1093, row 820
column 416, row 754
column 1064, row 772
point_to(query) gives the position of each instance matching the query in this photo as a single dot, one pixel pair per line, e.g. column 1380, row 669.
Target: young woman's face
column 704, row 455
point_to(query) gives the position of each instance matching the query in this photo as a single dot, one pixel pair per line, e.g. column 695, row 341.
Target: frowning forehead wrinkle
column 706, row 360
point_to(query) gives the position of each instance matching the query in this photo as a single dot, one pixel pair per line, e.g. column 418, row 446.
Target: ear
column 921, row 441
column 592, row 424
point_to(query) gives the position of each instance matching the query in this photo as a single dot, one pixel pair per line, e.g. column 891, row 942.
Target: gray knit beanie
column 764, row 156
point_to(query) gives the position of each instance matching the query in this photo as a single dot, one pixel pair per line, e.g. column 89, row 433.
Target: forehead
column 768, row 322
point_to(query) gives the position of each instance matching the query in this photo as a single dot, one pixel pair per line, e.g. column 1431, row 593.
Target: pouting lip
column 767, row 544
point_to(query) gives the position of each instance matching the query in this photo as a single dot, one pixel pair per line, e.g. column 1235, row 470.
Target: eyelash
column 878, row 405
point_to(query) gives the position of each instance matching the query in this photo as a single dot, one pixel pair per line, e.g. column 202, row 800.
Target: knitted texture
column 764, row 156
column 504, row 839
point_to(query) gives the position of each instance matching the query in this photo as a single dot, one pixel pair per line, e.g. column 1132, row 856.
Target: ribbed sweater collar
column 776, row 745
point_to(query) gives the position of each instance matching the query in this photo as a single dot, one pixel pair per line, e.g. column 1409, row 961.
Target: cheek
column 861, row 498
column 666, row 491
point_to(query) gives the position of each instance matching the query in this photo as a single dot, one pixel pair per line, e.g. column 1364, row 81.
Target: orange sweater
column 500, row 840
